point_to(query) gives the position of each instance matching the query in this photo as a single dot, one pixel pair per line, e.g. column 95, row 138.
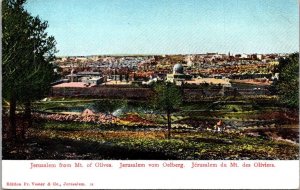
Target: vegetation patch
column 58, row 142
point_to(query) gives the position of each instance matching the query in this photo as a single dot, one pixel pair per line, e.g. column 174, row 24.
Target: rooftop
column 209, row 81
column 113, row 82
column 73, row 85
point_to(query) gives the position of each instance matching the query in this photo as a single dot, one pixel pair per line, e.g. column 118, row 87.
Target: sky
column 99, row 27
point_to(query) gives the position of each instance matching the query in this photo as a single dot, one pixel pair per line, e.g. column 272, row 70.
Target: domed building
column 178, row 77
column 178, row 69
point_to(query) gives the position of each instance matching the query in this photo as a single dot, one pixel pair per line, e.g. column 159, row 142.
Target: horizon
column 136, row 54
column 170, row 27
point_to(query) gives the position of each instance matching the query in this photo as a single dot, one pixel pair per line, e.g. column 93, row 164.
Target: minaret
column 189, row 61
column 71, row 74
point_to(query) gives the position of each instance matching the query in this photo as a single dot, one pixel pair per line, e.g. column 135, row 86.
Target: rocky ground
column 95, row 143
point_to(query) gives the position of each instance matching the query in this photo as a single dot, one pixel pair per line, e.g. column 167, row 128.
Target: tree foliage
column 27, row 52
column 288, row 84
column 168, row 97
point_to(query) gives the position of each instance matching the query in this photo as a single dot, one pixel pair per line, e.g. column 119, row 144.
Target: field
column 89, row 142
column 136, row 131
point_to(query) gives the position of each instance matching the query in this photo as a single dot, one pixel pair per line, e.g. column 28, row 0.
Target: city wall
column 139, row 93
column 103, row 92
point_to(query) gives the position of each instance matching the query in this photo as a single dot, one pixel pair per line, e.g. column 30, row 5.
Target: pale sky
column 92, row 27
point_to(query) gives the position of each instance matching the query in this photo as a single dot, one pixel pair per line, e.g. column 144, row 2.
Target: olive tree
column 167, row 98
column 287, row 86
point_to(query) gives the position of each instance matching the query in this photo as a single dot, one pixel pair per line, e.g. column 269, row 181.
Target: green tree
column 14, row 35
column 27, row 53
column 287, row 85
column 167, row 98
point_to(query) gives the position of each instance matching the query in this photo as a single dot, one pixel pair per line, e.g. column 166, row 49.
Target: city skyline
column 170, row 27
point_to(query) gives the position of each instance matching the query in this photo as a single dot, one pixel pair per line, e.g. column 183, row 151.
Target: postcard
column 150, row 94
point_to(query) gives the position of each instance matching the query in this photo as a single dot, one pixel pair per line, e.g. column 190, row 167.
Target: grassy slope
column 68, row 143
column 56, row 140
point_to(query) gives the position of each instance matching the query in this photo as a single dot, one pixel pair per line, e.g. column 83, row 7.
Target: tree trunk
column 12, row 118
column 28, row 119
column 235, row 93
column 169, row 124
column 28, row 113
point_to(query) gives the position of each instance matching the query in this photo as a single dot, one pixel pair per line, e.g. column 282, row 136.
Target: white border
column 285, row 175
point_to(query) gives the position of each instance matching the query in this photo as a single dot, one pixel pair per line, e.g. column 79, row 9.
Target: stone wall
column 103, row 92
column 140, row 93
